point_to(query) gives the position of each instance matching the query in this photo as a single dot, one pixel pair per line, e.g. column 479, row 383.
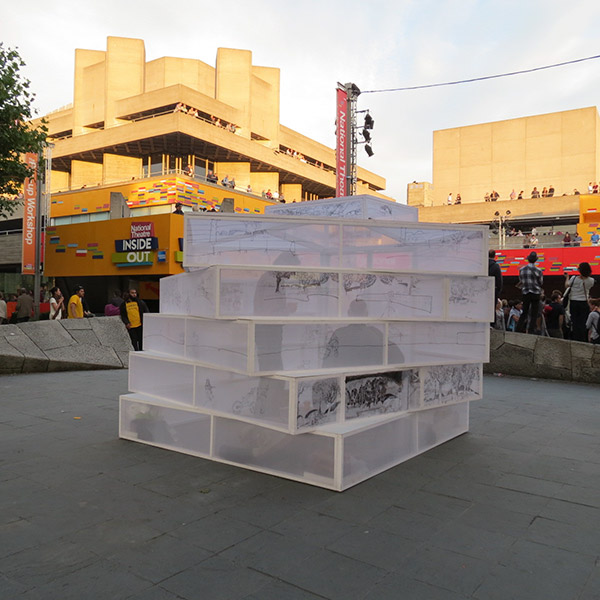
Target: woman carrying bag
column 593, row 321
column 578, row 288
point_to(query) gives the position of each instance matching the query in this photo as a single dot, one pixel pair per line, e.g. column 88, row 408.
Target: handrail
column 165, row 173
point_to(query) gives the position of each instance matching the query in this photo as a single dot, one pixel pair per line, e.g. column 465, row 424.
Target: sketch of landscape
column 380, row 393
column 318, row 402
column 393, row 296
column 471, row 298
column 451, row 383
column 278, row 293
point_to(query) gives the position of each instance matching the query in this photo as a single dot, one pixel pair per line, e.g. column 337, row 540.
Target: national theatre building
column 142, row 136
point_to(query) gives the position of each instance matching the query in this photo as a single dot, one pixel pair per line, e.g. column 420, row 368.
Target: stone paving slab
column 509, row 510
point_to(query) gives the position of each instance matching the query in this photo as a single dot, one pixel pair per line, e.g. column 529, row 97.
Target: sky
column 377, row 45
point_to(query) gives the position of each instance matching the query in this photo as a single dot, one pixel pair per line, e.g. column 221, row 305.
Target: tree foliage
column 17, row 135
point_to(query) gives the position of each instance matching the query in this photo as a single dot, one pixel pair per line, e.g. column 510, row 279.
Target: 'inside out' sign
column 138, row 250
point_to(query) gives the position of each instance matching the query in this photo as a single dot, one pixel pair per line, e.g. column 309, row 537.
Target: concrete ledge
column 69, row 345
column 527, row 355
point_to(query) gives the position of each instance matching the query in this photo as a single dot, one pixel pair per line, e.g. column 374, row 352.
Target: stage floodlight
column 366, row 135
column 369, row 150
column 369, row 122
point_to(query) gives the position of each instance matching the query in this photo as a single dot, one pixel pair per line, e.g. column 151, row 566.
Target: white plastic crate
column 268, row 347
column 334, row 243
column 334, row 457
column 304, row 403
column 238, row 292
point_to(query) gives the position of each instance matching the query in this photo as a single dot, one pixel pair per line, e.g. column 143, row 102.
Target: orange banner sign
column 29, row 217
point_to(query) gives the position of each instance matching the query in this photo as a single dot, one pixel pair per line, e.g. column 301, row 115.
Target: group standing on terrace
column 547, row 192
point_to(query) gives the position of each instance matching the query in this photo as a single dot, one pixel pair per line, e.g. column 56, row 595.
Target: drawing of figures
column 468, row 290
column 209, row 389
column 451, row 383
column 376, row 394
column 358, row 281
column 318, row 402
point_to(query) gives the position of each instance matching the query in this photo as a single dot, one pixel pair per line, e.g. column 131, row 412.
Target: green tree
column 17, row 135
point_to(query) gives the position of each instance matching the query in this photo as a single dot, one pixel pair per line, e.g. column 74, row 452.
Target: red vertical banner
column 29, row 216
column 341, row 164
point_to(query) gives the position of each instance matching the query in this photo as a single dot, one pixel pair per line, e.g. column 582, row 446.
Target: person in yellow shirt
column 132, row 314
column 76, row 310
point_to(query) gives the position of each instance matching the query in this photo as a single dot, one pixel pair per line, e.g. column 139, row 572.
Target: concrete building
column 142, row 135
column 560, row 150
column 132, row 118
column 513, row 158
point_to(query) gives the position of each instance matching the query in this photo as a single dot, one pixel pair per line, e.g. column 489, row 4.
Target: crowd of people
column 180, row 107
column 531, row 240
column 299, row 156
column 126, row 305
column 569, row 314
column 546, row 192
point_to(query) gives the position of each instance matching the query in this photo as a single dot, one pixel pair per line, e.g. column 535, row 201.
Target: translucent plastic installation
column 324, row 343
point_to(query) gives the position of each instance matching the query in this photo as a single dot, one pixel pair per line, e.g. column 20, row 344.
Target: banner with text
column 29, row 217
column 341, row 165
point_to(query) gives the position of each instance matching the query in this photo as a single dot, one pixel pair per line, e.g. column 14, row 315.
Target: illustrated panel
column 381, row 393
column 446, row 384
column 278, row 293
column 390, row 296
column 391, row 211
column 189, row 293
column 212, row 241
column 318, row 402
column 347, row 209
column 259, row 398
column 471, row 298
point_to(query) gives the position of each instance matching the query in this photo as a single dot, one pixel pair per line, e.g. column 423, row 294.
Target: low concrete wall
column 67, row 345
column 528, row 355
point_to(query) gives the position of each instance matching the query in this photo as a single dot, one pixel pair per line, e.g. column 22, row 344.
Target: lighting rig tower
column 346, row 137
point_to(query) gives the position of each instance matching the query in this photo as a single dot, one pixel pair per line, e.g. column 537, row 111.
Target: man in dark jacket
column 24, row 306
column 132, row 314
column 495, row 272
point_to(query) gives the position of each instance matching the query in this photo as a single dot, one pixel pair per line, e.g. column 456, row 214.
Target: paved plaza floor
column 509, row 510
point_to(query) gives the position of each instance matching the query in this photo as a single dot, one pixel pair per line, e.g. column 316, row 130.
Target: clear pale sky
column 376, row 45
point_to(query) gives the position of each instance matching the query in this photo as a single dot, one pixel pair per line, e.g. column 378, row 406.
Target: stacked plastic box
column 321, row 349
